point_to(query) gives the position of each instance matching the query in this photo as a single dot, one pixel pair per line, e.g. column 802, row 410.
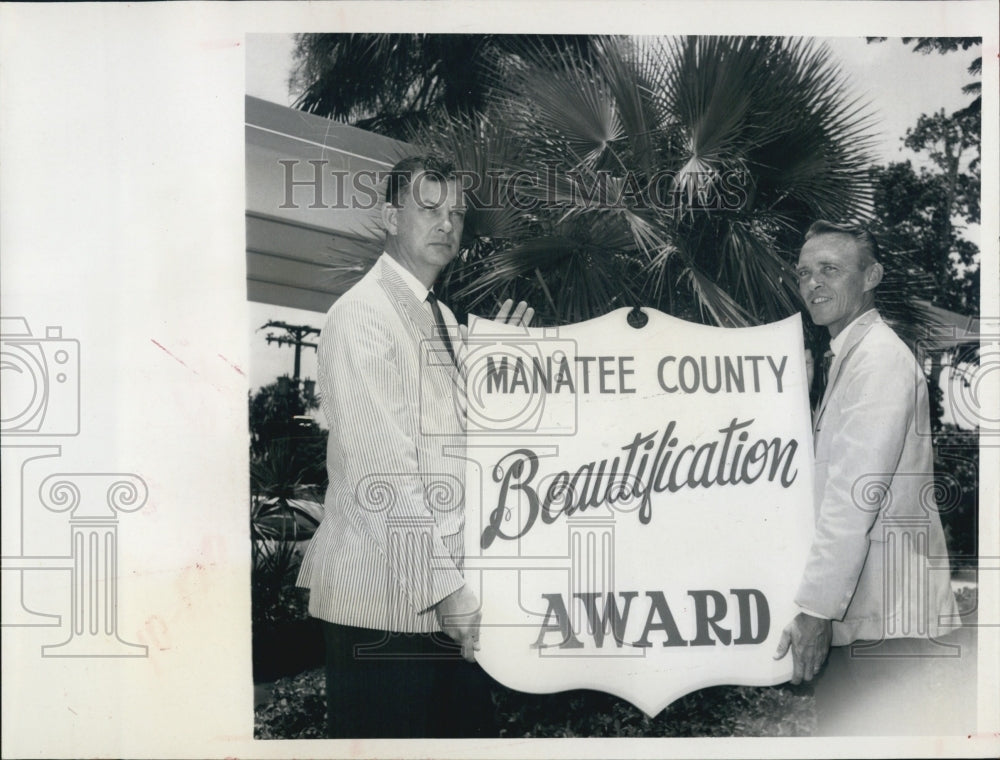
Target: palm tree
column 675, row 173
column 393, row 83
column 714, row 155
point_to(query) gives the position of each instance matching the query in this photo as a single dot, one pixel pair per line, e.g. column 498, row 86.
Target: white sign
column 639, row 503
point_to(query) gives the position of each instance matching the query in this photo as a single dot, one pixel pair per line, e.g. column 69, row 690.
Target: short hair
column 402, row 174
column 862, row 237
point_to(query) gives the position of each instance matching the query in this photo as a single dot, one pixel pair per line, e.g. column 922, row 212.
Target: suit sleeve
column 875, row 410
column 373, row 448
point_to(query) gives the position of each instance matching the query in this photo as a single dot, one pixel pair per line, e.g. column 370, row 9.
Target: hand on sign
column 809, row 638
column 519, row 316
column 459, row 616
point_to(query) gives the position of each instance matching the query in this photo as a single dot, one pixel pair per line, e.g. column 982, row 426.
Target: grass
column 716, row 711
column 296, row 709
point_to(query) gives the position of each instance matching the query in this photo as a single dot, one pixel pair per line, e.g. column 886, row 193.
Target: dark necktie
column 440, row 326
column 822, row 377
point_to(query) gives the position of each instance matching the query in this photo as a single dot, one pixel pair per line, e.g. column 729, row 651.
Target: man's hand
column 810, row 367
column 809, row 638
column 459, row 616
column 521, row 316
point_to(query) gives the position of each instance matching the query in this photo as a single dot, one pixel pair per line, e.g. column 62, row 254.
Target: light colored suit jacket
column 878, row 566
column 390, row 544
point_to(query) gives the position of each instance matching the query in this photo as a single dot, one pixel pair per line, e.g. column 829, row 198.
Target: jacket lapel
column 411, row 312
column 858, row 331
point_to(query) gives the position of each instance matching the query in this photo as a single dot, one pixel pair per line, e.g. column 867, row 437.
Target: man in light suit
column 877, row 575
column 384, row 568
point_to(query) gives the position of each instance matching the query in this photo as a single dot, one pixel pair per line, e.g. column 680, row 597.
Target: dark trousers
column 384, row 685
column 899, row 687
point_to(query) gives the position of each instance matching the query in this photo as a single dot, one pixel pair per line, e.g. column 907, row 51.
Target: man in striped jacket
column 384, row 568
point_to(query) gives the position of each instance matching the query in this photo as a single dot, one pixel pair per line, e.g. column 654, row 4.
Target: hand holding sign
column 809, row 639
column 459, row 616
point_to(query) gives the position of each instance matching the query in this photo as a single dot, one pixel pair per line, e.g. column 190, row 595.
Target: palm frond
column 483, row 149
column 715, row 302
column 345, row 265
column 557, row 93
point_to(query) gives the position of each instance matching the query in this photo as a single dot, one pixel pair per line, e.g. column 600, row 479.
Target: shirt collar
column 837, row 344
column 408, row 277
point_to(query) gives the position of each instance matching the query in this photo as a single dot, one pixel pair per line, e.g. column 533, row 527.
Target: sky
column 900, row 84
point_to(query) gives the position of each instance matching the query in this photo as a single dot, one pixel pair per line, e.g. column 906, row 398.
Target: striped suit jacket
column 390, row 545
column 878, row 566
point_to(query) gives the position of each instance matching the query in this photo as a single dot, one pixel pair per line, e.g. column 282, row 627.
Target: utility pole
column 293, row 336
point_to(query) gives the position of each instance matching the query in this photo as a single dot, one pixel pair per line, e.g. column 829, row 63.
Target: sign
column 644, row 503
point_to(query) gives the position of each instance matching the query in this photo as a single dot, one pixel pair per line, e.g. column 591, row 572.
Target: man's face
column 426, row 226
column 834, row 281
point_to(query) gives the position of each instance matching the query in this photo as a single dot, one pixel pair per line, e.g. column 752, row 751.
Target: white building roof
column 311, row 203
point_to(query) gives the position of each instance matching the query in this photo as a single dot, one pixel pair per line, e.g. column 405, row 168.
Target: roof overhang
column 312, row 204
column 950, row 329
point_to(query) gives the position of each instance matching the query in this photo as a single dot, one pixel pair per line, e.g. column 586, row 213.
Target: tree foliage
column 923, row 214
column 925, row 211
column 956, row 466
column 928, row 45
column 674, row 173
column 394, row 83
column 287, row 449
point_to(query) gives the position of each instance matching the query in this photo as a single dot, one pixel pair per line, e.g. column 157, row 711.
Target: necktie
column 440, row 326
column 822, row 377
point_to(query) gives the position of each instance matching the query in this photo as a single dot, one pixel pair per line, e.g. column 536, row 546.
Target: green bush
column 274, row 596
column 956, row 470
column 297, row 709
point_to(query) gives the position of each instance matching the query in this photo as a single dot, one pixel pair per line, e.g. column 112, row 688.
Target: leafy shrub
column 282, row 514
column 956, row 469
column 279, row 413
column 274, row 596
column 297, row 709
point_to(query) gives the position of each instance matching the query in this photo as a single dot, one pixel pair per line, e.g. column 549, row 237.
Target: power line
column 294, row 336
